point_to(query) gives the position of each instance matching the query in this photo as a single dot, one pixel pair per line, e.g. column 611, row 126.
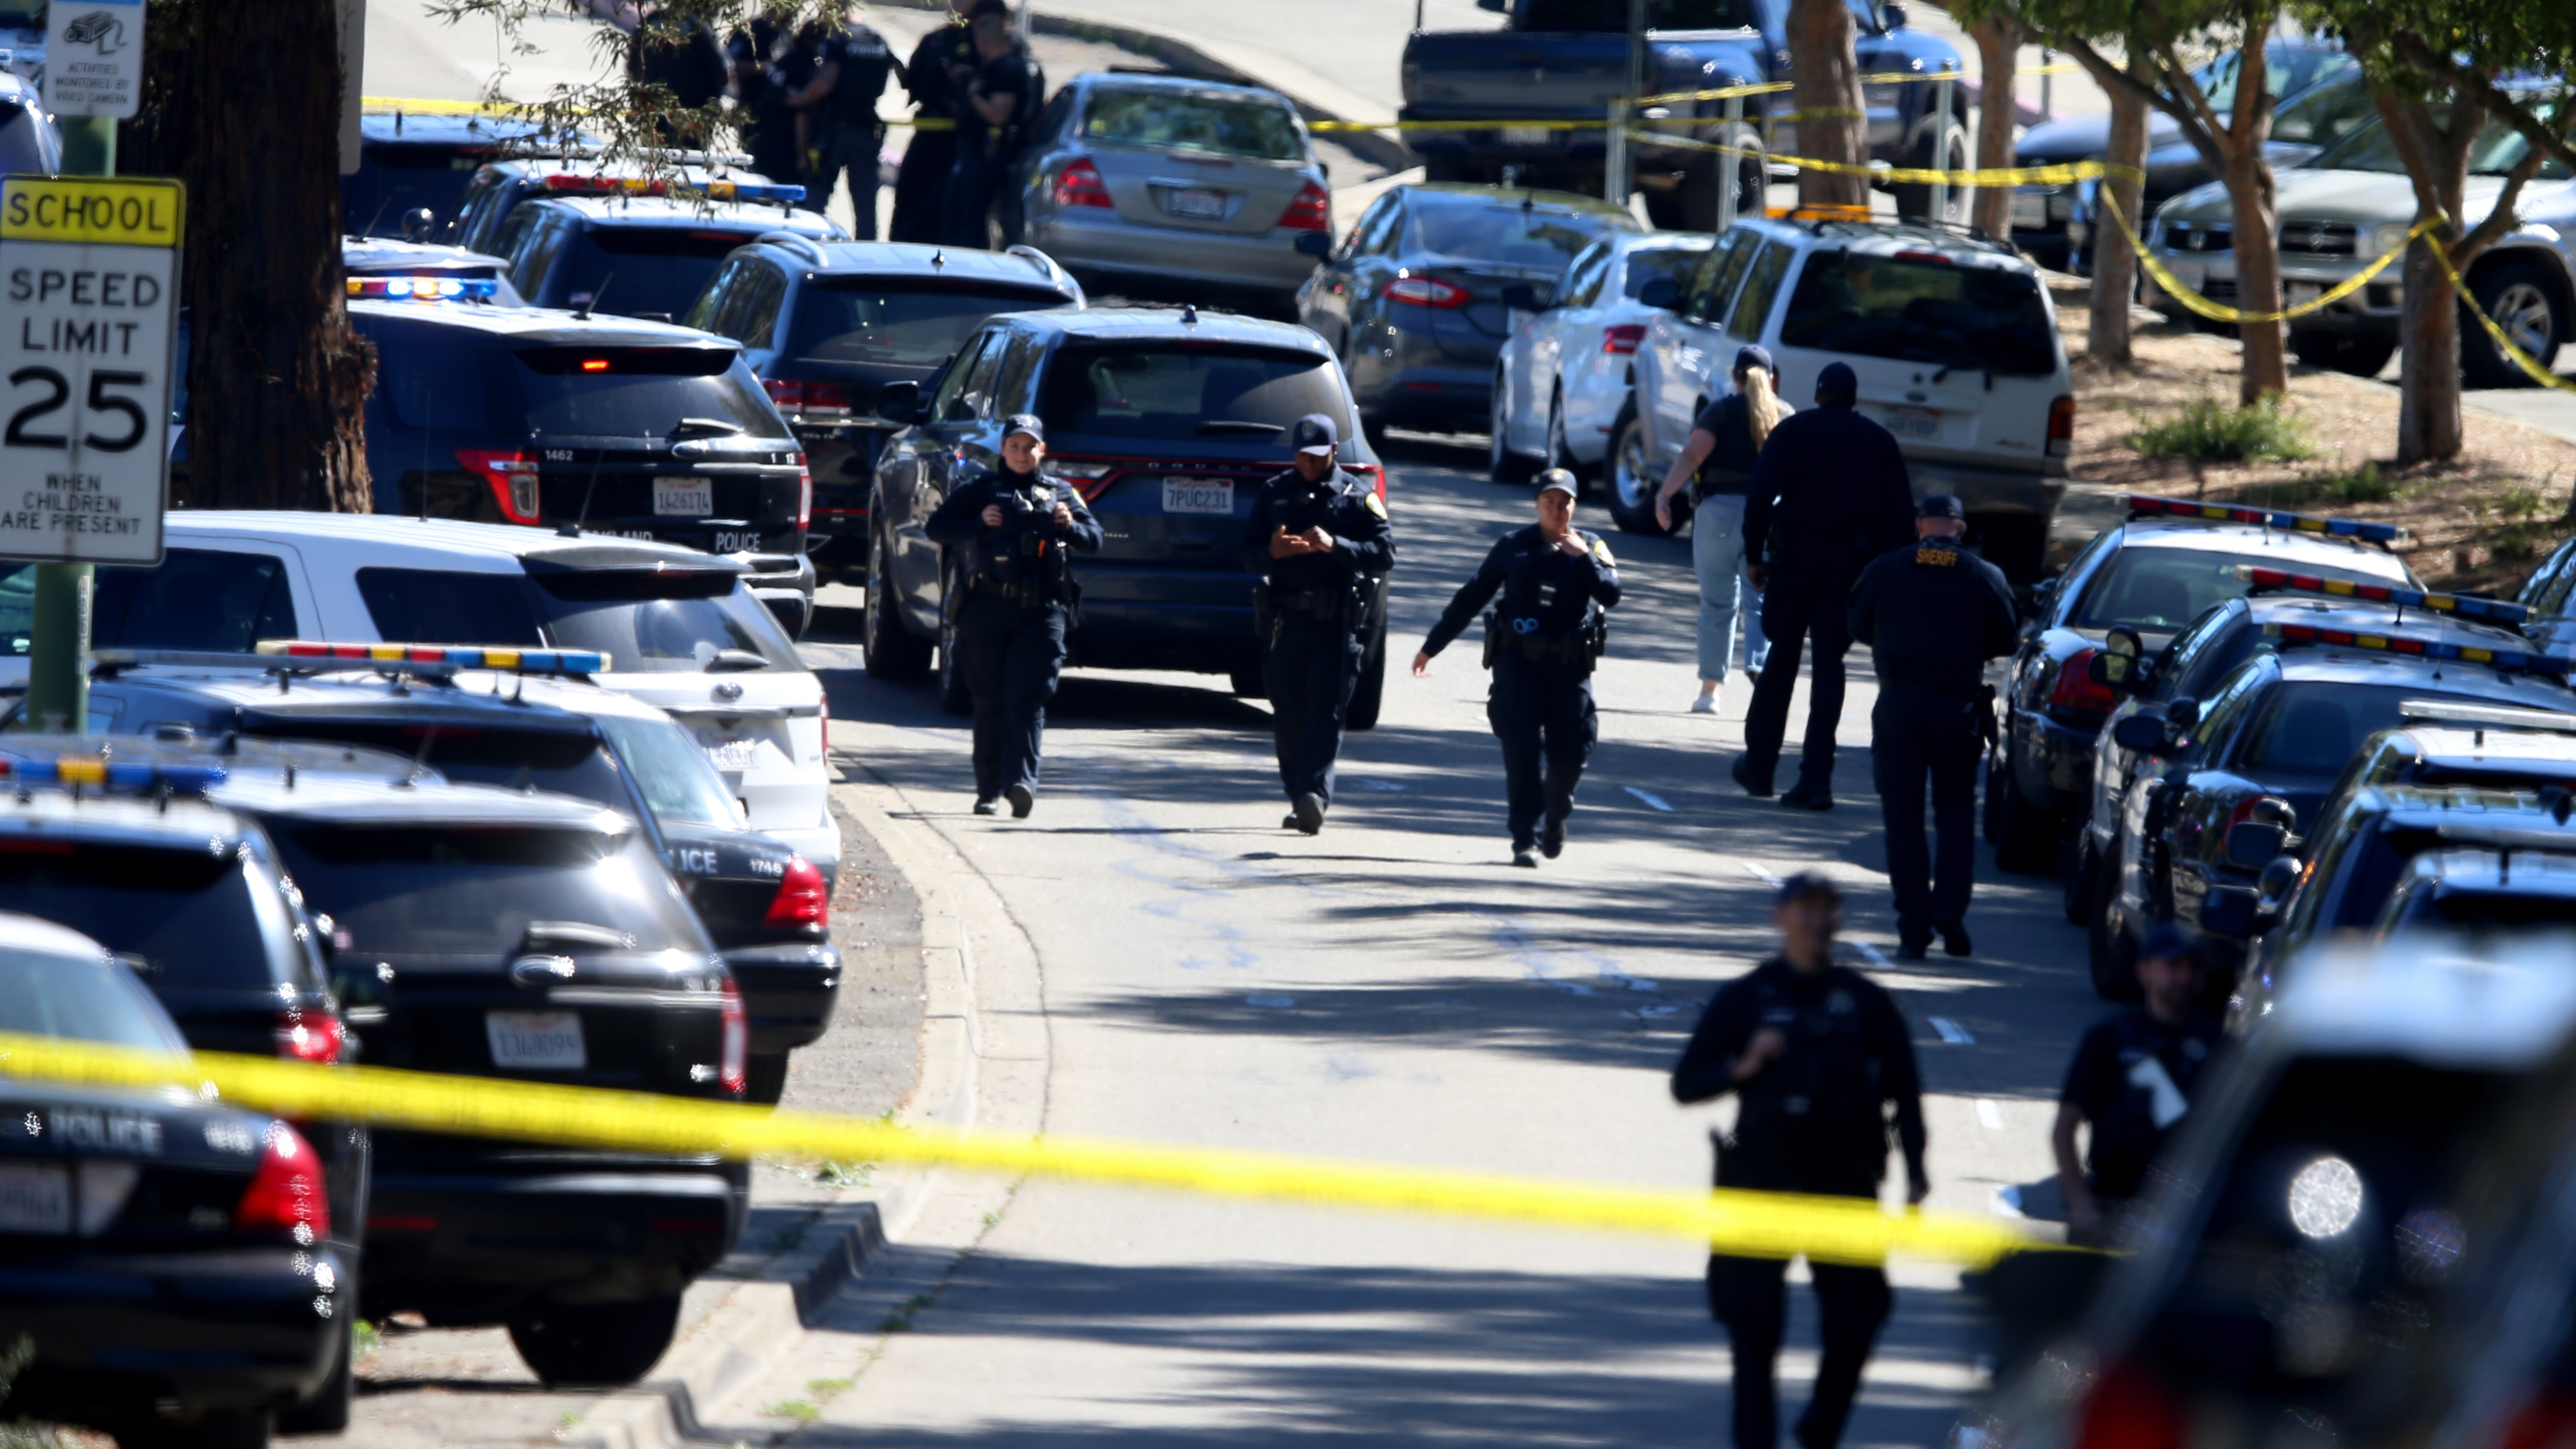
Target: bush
column 2206, row 432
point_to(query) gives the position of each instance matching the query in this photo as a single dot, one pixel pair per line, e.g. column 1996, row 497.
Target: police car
column 2154, row 573
column 496, row 190
column 411, row 162
column 363, row 258
column 646, row 256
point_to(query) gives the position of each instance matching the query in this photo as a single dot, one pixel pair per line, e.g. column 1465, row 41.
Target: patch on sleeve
column 1601, row 551
column 1373, row 503
column 1932, row 556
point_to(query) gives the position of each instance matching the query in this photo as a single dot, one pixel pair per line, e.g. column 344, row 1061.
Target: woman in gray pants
column 1724, row 441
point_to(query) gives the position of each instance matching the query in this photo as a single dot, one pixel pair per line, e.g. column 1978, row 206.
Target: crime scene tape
column 2061, row 174
column 1745, row 1224
column 2536, row 368
column 2220, row 311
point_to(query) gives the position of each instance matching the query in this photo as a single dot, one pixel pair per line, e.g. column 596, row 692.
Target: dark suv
column 645, row 257
column 1168, row 420
column 547, row 418
column 826, row 324
column 410, row 163
column 496, row 190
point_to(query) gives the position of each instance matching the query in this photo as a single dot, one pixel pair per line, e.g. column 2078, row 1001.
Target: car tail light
column 513, row 476
column 309, row 1036
column 819, row 397
column 1426, row 292
column 1623, row 339
column 804, row 898
column 286, row 1193
column 1079, row 184
column 2061, row 427
column 2075, row 688
column 1375, row 475
column 734, row 1072
column 2547, row 1422
column 2129, row 1409
column 1311, row 211
column 804, row 494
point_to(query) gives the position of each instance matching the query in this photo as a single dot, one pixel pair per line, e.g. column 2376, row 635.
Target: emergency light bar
column 110, row 774
column 425, row 288
column 2492, row 716
column 569, row 183
column 523, row 661
column 2493, row 610
column 2147, row 505
column 2517, row 660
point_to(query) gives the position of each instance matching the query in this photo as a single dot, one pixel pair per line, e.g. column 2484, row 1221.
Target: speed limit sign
column 89, row 306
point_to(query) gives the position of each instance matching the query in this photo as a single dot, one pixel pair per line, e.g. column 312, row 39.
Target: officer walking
column 1932, row 613
column 1020, row 524
column 1816, row 1054
column 1541, row 643
column 1829, row 494
column 1321, row 538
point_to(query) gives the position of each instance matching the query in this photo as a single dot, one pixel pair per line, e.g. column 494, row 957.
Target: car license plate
column 2030, row 210
column 1526, row 135
column 1198, row 203
column 683, row 497
column 1913, row 422
column 35, row 1198
column 2305, row 292
column 546, row 1040
column 730, row 752
column 1198, row 495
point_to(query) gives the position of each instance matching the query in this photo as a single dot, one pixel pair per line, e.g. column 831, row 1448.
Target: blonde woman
column 1723, row 444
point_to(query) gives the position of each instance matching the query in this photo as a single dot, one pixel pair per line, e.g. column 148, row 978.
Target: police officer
column 1321, row 538
column 1829, row 493
column 995, row 109
column 1816, row 1055
column 838, row 111
column 2132, row 1080
column 1555, row 580
column 1020, row 524
column 1932, row 613
column 941, row 66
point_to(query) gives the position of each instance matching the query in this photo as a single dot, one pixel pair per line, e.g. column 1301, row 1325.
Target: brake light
column 1311, row 211
column 804, row 494
column 2547, row 1422
column 309, row 1036
column 2061, row 427
column 286, row 1193
column 1426, row 292
column 1375, row 475
column 2075, row 688
column 733, row 1072
column 513, row 477
column 797, row 396
column 804, row 898
column 1622, row 339
column 1933, row 257
column 1079, row 184
column 2128, row 1409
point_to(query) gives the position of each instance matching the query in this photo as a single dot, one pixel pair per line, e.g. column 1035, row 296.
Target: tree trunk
column 2258, row 275
column 1831, row 124
column 2428, row 377
column 276, row 379
column 1998, row 53
column 2115, row 262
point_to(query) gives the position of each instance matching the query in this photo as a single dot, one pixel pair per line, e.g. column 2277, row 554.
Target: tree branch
column 2498, row 101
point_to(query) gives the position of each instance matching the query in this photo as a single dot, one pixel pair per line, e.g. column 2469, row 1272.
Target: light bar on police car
column 570, row 183
column 2518, row 660
column 111, row 774
column 2147, row 505
column 2493, row 610
column 425, row 288
column 524, row 661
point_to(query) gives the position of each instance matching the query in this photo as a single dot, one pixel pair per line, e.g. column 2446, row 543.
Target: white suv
column 1955, row 342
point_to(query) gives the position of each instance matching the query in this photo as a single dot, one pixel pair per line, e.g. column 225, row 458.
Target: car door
column 1365, row 339
column 2545, row 595
column 920, row 469
column 1557, row 339
column 1681, row 350
column 1331, row 298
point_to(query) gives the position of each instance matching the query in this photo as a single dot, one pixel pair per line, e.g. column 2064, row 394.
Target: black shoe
column 1803, row 796
column 1551, row 837
column 1954, row 939
column 1742, row 770
column 1288, row 821
column 988, row 806
column 1021, row 798
column 1913, row 948
column 1524, row 857
column 1309, row 813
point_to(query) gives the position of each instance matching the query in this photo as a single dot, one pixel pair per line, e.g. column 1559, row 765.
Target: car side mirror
column 1522, row 297
column 2229, row 910
column 1663, row 294
column 2276, row 882
column 2141, row 733
column 416, row 224
column 1314, row 244
column 2115, row 668
column 2252, row 845
column 899, row 402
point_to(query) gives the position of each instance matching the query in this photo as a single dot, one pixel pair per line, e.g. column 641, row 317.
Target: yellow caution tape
column 388, row 105
column 2536, row 368
column 1747, row 1224
column 2058, row 175
column 2220, row 311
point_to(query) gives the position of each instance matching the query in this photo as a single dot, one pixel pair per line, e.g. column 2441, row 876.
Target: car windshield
column 393, row 178
column 1676, row 265
column 1207, row 121
column 635, row 271
column 639, row 391
column 2476, row 913
column 1598, row 17
column 1480, row 229
column 82, row 998
column 2162, row 589
column 2286, row 70
column 472, row 890
column 899, row 321
column 1927, row 310
column 2498, row 149
column 642, row 621
column 2313, row 727
column 1185, row 390
column 677, row 780
column 189, row 919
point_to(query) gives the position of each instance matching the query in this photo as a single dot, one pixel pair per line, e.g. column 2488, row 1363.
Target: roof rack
column 2520, row 661
column 2147, row 505
column 2466, row 606
column 2491, row 716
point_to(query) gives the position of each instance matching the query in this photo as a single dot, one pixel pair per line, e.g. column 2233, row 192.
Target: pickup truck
column 1566, row 60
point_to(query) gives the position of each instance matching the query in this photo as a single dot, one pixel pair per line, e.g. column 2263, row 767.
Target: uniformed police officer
column 1555, row 580
column 1321, row 538
column 1816, row 1055
column 1932, row 614
column 1019, row 525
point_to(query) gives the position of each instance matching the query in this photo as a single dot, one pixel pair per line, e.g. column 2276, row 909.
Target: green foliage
column 2209, row 432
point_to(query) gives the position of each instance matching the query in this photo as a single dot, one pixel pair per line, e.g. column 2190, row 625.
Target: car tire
column 2076, row 878
column 327, row 1412
column 765, row 1080
column 2024, row 836
column 2358, row 356
column 954, row 697
column 234, row 1429
column 2523, row 301
column 2109, row 952
column 1247, row 683
column 1944, row 149
column 1370, row 692
column 1630, row 483
column 1558, row 454
column 1501, row 463
column 594, row 1344
column 893, row 652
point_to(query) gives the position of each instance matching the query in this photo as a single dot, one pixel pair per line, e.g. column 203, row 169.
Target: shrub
column 2206, row 432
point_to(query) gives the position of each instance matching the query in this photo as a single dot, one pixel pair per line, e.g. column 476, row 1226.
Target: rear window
column 393, row 178
column 205, row 599
column 1516, row 236
column 1676, row 265
column 444, row 606
column 677, row 780
column 899, row 323
column 473, row 890
column 2161, row 589
column 645, row 622
column 182, row 918
column 641, row 391
column 1167, row 392
column 560, row 762
column 1947, row 315
column 2313, row 727
column 83, row 998
column 634, row 270
column 1194, row 121
column 1611, row 16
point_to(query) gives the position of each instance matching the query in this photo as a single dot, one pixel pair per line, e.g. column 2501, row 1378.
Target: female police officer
column 1555, row 579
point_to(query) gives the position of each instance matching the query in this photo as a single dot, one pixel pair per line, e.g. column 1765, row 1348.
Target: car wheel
column 894, row 653
column 594, row 1343
column 1370, row 693
column 2335, row 352
column 1558, row 454
column 237, row 1429
column 1632, row 481
column 1945, row 149
column 2522, row 302
column 766, row 1080
column 2076, row 883
column 2109, row 951
column 954, row 696
column 327, row 1412
column 2024, row 836
column 1501, row 462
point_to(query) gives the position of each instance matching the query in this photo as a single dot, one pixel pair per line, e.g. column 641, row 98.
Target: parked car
column 2549, row 594
column 1167, row 421
column 1150, row 183
column 372, row 264
column 1954, row 339
column 411, row 163
column 498, row 188
column 1562, row 378
column 1413, row 300
column 646, row 257
column 30, row 140
column 824, row 325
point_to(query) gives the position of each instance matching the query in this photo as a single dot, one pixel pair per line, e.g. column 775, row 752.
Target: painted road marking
column 1987, row 1115
column 1952, row 1033
column 1652, row 799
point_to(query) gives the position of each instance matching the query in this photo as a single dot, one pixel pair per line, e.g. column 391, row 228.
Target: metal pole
column 58, row 637
column 1614, row 160
column 1730, row 167
column 1622, row 176
column 1941, row 92
column 2047, row 58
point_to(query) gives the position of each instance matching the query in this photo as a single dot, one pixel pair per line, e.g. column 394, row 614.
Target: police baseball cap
column 1315, row 433
column 983, row 8
column 1838, row 379
column 1942, row 505
column 1753, row 355
column 1809, row 883
column 1557, row 480
column 2168, row 941
column 1028, row 423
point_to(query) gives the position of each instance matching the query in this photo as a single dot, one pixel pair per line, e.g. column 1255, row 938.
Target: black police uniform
column 1829, row 493
column 1814, row 1121
column 932, row 152
column 1932, row 613
column 1541, row 643
column 1317, row 622
column 1019, row 604
column 848, row 135
column 770, row 134
column 2132, row 1079
column 985, row 151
